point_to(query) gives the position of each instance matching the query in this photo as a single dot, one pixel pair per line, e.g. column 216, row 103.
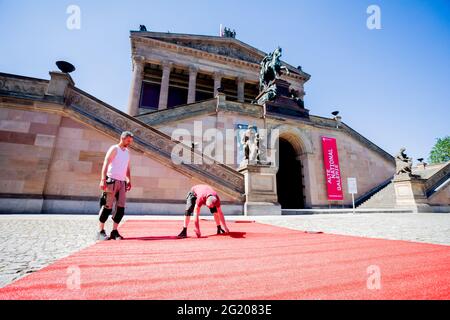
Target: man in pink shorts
column 198, row 196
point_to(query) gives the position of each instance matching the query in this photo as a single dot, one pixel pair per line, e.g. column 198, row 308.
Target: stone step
column 385, row 198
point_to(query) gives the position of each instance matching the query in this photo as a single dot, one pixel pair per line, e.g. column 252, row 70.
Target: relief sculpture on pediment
column 223, row 50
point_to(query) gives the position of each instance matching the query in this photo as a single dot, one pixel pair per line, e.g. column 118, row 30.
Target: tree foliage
column 441, row 150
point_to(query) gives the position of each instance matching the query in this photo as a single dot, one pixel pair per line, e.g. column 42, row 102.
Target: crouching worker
column 115, row 182
column 198, row 196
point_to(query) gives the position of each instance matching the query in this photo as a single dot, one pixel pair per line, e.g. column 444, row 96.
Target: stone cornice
column 138, row 38
column 13, row 84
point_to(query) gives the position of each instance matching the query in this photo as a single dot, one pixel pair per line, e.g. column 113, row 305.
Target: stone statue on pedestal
column 250, row 142
column 403, row 164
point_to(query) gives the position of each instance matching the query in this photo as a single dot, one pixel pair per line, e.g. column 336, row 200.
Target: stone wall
column 357, row 158
column 222, row 121
column 55, row 161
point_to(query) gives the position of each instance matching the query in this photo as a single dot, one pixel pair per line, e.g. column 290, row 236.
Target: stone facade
column 52, row 144
column 217, row 57
column 358, row 157
column 45, row 155
column 53, row 137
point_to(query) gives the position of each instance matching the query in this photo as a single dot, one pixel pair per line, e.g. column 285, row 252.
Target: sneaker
column 183, row 234
column 101, row 236
column 220, row 230
column 115, row 235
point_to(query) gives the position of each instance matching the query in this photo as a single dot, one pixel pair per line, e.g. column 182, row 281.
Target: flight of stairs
column 385, row 198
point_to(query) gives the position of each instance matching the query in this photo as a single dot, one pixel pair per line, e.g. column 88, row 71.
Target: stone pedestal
column 410, row 193
column 260, row 190
column 277, row 98
column 58, row 84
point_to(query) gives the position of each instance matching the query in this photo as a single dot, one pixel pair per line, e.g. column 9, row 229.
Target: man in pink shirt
column 198, row 196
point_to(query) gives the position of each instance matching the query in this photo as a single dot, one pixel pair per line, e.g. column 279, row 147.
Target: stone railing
column 25, row 86
column 437, row 179
column 104, row 117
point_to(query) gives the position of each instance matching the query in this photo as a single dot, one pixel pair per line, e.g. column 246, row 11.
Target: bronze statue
column 271, row 69
column 403, row 163
column 227, row 33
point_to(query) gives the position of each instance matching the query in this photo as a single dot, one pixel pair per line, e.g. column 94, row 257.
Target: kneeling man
column 198, row 196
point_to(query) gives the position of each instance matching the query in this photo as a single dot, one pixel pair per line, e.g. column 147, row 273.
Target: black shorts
column 191, row 198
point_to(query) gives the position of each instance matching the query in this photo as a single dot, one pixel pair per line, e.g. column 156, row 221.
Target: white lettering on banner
column 333, row 173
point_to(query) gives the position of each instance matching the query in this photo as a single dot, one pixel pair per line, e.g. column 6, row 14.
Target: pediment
column 229, row 47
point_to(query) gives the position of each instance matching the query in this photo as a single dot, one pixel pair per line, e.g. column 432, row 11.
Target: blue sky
column 392, row 85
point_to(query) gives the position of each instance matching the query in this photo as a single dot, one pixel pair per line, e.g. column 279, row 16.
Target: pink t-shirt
column 202, row 191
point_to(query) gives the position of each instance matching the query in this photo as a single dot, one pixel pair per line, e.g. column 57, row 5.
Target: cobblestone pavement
column 418, row 227
column 29, row 243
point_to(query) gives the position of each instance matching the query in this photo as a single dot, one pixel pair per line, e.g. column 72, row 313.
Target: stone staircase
column 385, row 198
column 435, row 176
column 70, row 100
column 149, row 140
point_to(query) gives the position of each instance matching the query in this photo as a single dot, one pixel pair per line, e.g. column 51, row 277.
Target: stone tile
column 5, row 136
column 16, row 114
column 91, row 156
column 70, row 133
column 44, row 140
column 22, row 138
column 35, row 117
column 72, row 144
column 140, row 171
column 82, row 166
column 53, row 119
column 11, row 186
column 60, row 165
column 94, row 135
column 34, row 186
column 168, row 183
column 65, row 154
column 16, row 126
column 41, row 128
column 4, row 113
column 71, row 123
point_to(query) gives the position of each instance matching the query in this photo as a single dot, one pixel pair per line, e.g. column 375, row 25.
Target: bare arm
column 222, row 219
column 129, row 177
column 197, row 220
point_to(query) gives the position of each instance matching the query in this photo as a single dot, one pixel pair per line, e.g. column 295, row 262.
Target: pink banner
column 332, row 169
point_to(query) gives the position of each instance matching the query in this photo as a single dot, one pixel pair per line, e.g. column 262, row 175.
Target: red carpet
column 256, row 262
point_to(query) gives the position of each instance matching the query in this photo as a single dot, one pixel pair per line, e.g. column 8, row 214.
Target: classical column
column 164, row 93
column 136, row 85
column 192, row 84
column 240, row 89
column 217, row 82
